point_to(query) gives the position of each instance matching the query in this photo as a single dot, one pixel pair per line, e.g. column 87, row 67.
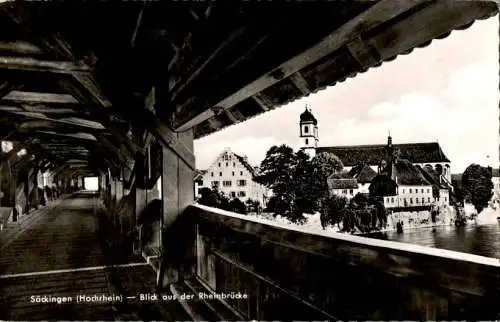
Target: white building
column 232, row 175
column 496, row 180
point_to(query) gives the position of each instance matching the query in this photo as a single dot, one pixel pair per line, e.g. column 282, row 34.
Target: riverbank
column 410, row 220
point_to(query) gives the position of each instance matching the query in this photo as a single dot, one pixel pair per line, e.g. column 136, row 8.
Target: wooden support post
column 178, row 235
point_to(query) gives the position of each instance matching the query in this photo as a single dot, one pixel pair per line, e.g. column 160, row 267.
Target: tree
column 213, row 198
column 332, row 210
column 477, row 186
column 277, row 168
column 323, row 165
column 277, row 172
column 457, row 192
column 236, row 205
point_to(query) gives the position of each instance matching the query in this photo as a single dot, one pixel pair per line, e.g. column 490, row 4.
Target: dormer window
column 306, row 129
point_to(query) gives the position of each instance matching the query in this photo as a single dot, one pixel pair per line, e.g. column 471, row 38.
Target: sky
column 446, row 92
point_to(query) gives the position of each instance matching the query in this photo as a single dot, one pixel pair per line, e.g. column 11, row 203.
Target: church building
column 413, row 174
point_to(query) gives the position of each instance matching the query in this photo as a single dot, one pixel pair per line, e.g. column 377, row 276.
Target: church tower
column 308, row 132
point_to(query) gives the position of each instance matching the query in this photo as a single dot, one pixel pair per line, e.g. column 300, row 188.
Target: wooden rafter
column 381, row 11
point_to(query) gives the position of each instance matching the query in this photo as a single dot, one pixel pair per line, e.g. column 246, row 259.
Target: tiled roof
column 408, row 174
column 431, row 176
column 245, row 164
column 363, row 173
column 372, row 154
column 334, row 183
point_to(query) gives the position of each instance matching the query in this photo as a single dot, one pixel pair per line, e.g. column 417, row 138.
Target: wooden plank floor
column 60, row 256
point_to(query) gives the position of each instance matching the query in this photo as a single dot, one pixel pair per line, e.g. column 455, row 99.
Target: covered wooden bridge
column 120, row 90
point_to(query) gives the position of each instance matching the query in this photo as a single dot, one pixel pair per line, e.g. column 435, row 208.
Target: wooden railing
column 289, row 274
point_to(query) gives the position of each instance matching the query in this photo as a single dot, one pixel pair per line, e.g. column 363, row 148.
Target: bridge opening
column 91, row 183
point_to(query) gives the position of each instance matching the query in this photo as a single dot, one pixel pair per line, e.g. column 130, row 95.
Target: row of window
column 405, row 200
column 240, row 194
column 227, row 164
column 220, row 173
column 416, row 190
column 226, row 183
column 351, row 192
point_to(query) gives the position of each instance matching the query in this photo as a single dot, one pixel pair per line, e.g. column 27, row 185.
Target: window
column 241, row 194
column 306, row 130
column 428, row 190
column 429, row 199
column 227, row 164
column 212, row 174
column 411, row 200
column 200, row 182
column 422, row 190
column 241, row 173
column 307, row 141
column 226, row 183
column 219, row 164
column 416, row 200
column 410, row 190
column 242, row 183
column 234, row 164
column 233, row 173
column 386, row 199
column 351, row 192
column 220, row 174
column 392, row 199
column 344, row 191
column 215, row 183
column 444, row 199
column 423, row 200
column 233, row 194
column 403, row 190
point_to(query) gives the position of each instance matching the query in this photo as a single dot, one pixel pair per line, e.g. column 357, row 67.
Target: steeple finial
column 308, row 108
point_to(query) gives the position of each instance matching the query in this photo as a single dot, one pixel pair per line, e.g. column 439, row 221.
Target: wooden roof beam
column 36, row 65
column 381, row 11
column 35, row 97
column 166, row 135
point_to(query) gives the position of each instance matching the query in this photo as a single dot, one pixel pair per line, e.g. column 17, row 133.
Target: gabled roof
column 431, row 176
column 363, row 173
column 408, row 174
column 372, row 154
column 245, row 164
column 334, row 183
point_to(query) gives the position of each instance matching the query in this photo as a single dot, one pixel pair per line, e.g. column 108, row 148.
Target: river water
column 477, row 238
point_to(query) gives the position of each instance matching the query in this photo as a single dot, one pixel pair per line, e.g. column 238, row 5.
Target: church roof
column 431, row 176
column 307, row 116
column 372, row 154
column 408, row 174
column 363, row 173
column 334, row 183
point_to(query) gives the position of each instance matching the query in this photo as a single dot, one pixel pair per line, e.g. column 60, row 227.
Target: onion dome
column 307, row 116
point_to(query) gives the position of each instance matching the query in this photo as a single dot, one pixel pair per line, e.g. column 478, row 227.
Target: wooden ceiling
column 86, row 78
